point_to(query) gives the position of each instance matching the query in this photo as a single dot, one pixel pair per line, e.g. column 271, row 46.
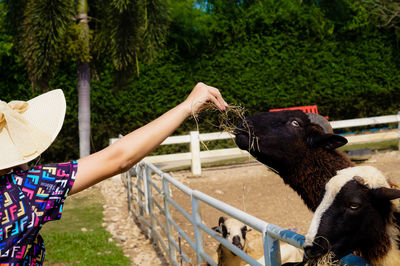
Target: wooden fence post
column 195, row 151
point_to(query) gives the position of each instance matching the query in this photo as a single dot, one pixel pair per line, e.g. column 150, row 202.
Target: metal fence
column 150, row 203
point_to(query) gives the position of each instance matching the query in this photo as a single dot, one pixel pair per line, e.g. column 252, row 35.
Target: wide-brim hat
column 27, row 129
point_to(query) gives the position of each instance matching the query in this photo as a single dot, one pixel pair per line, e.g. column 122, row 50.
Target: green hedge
column 261, row 56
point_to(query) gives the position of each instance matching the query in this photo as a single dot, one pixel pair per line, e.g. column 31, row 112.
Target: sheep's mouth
column 246, row 139
column 239, row 246
column 244, row 135
column 250, row 143
column 242, row 140
column 318, row 254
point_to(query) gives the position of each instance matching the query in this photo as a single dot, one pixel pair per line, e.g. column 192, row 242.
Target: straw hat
column 28, row 128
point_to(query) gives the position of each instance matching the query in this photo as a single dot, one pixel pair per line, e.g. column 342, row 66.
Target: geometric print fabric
column 28, row 199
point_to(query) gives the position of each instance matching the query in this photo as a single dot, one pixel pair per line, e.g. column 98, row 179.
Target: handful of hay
column 228, row 120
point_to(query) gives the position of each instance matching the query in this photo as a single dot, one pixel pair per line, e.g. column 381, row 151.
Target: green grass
column 67, row 244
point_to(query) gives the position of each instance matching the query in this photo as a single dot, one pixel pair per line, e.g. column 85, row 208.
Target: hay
column 327, row 259
column 228, row 119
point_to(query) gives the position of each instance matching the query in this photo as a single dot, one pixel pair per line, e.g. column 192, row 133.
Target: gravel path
column 124, row 230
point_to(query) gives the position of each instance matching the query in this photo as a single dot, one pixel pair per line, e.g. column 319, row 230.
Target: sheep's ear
column 221, row 220
column 327, row 141
column 244, row 228
column 386, row 193
column 218, row 228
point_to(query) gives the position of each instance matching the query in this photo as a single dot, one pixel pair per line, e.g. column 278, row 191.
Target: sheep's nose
column 236, row 241
column 314, row 251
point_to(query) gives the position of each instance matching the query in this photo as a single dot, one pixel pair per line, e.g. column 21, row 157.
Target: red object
column 305, row 109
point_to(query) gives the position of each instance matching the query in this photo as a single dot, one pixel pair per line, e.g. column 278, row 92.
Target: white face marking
column 234, row 227
column 370, row 176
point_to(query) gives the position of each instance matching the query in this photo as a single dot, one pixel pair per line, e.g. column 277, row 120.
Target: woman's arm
column 124, row 153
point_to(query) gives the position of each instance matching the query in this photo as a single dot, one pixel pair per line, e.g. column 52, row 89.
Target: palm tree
column 84, row 79
column 50, row 31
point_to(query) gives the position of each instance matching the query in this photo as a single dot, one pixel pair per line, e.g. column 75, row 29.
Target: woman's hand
column 202, row 94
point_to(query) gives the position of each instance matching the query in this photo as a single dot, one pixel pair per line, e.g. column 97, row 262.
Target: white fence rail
column 195, row 157
column 386, row 119
column 152, row 205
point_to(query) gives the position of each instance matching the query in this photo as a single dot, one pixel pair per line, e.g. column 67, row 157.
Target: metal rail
column 160, row 226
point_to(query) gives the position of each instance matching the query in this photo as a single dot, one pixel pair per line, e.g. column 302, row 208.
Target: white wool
column 370, row 176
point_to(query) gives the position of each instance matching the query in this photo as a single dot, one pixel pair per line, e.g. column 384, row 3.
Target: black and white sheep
column 356, row 214
column 236, row 233
column 300, row 147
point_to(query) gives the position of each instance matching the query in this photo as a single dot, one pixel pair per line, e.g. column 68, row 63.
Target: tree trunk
column 84, row 83
column 84, row 108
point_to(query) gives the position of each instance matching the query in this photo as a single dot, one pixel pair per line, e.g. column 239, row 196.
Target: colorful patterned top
column 28, row 199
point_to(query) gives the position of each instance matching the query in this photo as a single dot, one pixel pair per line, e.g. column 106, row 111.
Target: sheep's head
column 276, row 138
column 355, row 215
column 232, row 230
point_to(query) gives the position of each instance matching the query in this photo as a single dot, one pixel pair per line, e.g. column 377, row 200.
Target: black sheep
column 302, row 151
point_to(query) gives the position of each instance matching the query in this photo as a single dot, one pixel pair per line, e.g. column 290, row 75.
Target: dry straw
column 327, row 260
column 228, row 121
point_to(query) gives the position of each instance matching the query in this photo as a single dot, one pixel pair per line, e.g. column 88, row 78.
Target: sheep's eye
column 295, row 123
column 354, row 206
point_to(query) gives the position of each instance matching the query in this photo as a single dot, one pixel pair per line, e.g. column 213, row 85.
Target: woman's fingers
column 217, row 98
column 201, row 94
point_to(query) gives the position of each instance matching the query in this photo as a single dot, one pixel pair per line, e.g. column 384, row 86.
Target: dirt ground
column 249, row 186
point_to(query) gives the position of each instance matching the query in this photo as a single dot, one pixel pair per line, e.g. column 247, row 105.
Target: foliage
column 5, row 40
column 262, row 54
column 127, row 30
column 43, row 33
column 48, row 32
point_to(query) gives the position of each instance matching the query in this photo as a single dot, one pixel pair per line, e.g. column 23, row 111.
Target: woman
column 31, row 197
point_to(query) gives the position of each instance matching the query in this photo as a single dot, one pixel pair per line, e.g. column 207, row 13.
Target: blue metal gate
column 154, row 212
